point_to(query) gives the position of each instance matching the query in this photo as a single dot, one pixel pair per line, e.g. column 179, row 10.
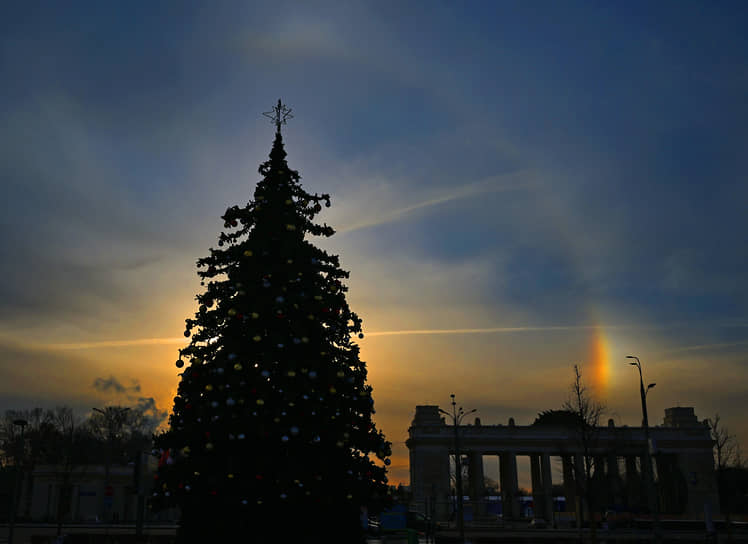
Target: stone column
column 633, row 484
column 429, row 478
column 538, row 502
column 545, row 473
column 614, row 480
column 477, row 484
column 698, row 469
column 509, row 485
column 569, row 484
column 580, row 474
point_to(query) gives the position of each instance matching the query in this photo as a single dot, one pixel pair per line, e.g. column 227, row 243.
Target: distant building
column 82, row 494
column 681, row 450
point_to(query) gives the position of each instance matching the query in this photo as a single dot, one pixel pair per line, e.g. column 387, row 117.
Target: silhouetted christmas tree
column 271, row 433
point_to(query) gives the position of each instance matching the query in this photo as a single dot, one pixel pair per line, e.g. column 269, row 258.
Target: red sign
column 108, row 491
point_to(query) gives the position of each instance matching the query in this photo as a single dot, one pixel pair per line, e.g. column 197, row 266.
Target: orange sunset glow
column 515, row 190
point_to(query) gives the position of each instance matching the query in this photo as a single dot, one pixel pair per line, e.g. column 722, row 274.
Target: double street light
column 648, row 454
column 457, row 415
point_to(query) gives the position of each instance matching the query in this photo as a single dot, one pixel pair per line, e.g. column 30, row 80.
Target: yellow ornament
column 305, row 340
column 323, row 353
column 349, row 496
column 317, row 297
column 291, row 373
column 276, row 420
column 248, row 253
column 232, row 312
column 238, row 366
column 260, row 402
column 255, row 315
column 289, row 201
column 209, row 387
column 340, row 374
column 333, row 390
column 339, row 444
column 310, row 317
column 186, row 450
column 290, row 227
column 304, row 370
column 257, row 338
column 208, row 446
column 230, row 476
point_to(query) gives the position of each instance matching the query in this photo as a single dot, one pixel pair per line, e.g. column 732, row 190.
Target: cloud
column 372, row 216
column 115, row 343
column 112, row 384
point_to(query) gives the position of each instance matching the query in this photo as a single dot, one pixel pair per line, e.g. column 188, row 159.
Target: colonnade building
column 681, row 451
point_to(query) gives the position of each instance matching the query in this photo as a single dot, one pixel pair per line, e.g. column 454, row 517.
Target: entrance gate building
column 681, row 451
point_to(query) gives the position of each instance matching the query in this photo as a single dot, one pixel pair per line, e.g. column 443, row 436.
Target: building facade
column 681, row 451
column 86, row 493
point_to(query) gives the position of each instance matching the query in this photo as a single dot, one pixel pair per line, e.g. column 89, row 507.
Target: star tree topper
column 278, row 115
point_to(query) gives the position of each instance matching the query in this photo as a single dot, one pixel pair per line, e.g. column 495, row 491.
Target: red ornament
column 207, row 434
column 258, row 477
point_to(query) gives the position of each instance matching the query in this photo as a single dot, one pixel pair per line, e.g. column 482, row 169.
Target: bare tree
column 587, row 412
column 727, row 456
column 38, row 434
column 68, row 428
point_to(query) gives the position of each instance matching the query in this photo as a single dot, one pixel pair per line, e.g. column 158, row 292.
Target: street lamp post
column 19, row 460
column 654, row 507
column 457, row 415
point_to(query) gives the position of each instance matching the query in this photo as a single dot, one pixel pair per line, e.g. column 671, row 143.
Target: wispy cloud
column 493, row 184
column 705, row 347
column 482, row 331
column 114, row 343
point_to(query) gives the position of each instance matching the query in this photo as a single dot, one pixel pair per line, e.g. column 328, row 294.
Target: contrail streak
column 115, row 343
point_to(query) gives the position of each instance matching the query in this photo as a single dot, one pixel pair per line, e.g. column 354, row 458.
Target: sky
column 517, row 187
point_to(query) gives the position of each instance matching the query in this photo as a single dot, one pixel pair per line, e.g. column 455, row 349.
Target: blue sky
column 568, row 169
